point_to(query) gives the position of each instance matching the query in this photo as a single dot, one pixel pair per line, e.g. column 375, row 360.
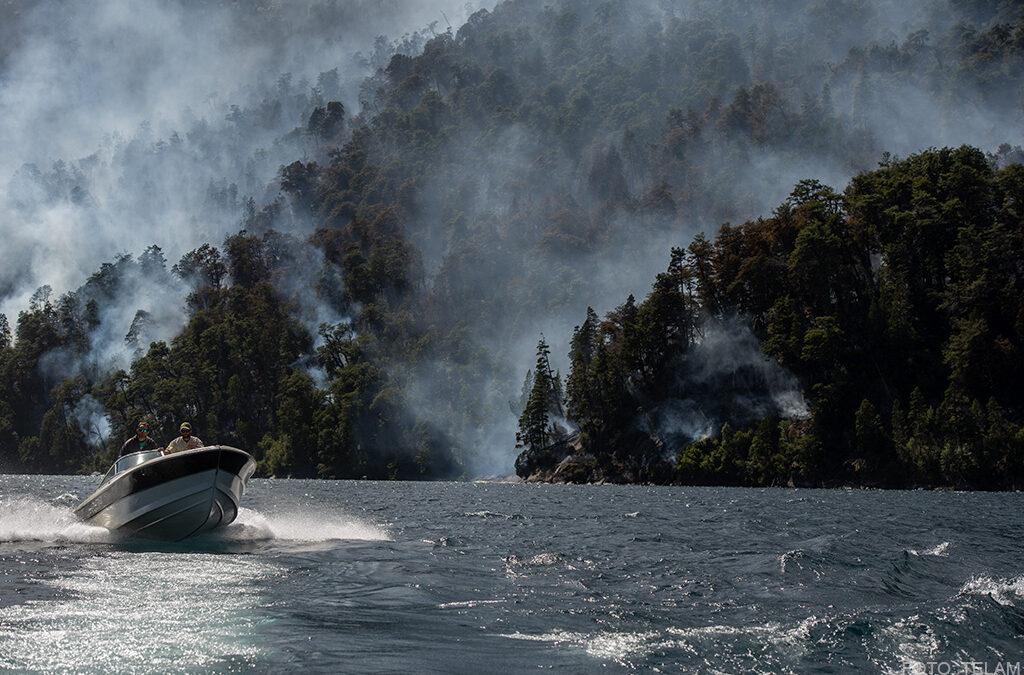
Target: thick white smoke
column 128, row 124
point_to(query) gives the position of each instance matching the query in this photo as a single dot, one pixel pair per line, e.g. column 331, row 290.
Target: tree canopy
column 897, row 305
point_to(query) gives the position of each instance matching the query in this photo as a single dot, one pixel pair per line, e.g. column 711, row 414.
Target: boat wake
column 30, row 519
column 25, row 519
column 299, row 527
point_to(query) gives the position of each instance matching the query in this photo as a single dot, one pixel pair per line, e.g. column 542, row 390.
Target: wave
column 494, row 514
column 810, row 564
column 1003, row 591
column 772, row 643
column 940, row 550
column 469, row 604
column 961, row 636
column 908, row 644
column 912, row 642
column 615, row 646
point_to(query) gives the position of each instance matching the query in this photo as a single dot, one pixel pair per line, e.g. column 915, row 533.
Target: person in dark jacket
column 140, row 441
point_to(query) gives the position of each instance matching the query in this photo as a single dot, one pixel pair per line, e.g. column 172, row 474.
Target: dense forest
column 372, row 311
column 896, row 304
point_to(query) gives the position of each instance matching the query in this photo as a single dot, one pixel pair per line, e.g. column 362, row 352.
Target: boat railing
column 128, row 461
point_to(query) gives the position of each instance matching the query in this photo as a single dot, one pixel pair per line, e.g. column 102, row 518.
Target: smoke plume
column 143, row 123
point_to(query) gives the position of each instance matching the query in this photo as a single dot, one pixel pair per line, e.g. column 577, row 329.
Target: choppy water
column 487, row 578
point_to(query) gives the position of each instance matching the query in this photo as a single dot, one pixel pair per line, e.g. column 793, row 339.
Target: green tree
column 537, row 429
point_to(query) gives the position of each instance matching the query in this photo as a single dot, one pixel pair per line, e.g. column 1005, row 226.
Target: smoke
column 117, row 313
column 847, row 87
column 129, row 124
column 723, row 378
column 326, row 308
column 738, row 381
column 91, row 419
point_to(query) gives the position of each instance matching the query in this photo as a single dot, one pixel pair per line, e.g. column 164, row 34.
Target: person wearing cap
column 140, row 441
column 184, row 442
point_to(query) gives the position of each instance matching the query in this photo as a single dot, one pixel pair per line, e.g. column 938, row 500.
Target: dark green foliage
column 538, row 422
column 238, row 372
column 204, row 269
column 910, row 364
column 50, row 420
column 241, row 371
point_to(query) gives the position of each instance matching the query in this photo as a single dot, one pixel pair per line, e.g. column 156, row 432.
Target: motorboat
column 170, row 497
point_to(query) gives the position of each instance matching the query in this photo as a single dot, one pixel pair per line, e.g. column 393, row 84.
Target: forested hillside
column 896, row 304
column 374, row 309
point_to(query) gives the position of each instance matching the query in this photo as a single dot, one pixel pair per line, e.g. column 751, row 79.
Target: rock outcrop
column 638, row 459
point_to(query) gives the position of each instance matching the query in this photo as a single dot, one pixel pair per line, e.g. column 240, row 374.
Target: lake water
column 369, row 577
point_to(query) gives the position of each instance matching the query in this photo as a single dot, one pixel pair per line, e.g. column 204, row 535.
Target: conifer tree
column 5, row 332
column 535, row 427
column 578, row 387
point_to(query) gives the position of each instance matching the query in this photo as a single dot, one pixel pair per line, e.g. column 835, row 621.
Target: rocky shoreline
column 639, row 460
column 567, row 461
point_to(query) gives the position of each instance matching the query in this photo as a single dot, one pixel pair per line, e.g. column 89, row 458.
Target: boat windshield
column 128, row 461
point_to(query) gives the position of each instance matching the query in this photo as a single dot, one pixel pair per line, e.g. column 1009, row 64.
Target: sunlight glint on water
column 118, row 612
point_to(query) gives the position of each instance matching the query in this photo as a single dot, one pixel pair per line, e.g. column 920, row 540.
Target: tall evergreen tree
column 536, row 428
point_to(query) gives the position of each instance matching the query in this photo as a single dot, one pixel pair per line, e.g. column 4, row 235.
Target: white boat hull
column 172, row 497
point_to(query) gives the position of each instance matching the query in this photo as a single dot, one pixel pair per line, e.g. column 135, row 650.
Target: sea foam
column 30, row 519
column 1002, row 591
column 301, row 526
